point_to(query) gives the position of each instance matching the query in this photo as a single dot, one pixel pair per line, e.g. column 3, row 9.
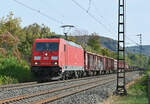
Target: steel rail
column 59, row 96
column 27, row 85
column 49, row 91
column 10, row 86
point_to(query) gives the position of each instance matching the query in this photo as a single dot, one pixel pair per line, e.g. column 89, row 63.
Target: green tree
column 12, row 25
column 106, row 52
column 94, row 43
column 33, row 32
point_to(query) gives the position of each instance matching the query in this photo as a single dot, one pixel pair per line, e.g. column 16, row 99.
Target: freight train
column 62, row 59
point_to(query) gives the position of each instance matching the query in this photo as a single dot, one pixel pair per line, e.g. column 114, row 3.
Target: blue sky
column 104, row 10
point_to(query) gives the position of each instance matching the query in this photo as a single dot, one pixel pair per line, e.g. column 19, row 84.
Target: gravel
column 53, row 94
column 95, row 95
column 31, row 90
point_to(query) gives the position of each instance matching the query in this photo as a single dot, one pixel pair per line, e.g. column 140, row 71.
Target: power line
column 98, row 12
column 55, row 20
column 99, row 21
column 132, row 41
column 46, row 4
column 92, row 16
column 87, row 11
column 38, row 11
column 89, row 5
column 112, row 23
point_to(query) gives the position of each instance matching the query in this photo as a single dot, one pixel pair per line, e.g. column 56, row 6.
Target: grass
column 137, row 93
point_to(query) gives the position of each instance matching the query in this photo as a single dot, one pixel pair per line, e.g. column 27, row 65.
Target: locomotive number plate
column 46, row 58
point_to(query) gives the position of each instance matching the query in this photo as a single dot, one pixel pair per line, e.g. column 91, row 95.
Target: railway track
column 14, row 86
column 23, row 90
column 62, row 95
column 35, row 84
column 60, row 92
column 70, row 87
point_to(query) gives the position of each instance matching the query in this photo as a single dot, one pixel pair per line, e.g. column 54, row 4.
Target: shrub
column 7, row 80
column 11, row 69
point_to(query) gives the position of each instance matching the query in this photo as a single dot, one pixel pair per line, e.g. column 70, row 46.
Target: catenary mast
column 120, row 89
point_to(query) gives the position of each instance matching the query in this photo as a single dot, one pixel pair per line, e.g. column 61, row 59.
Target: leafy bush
column 12, row 71
column 7, row 80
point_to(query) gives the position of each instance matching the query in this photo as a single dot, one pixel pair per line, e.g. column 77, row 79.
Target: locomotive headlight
column 37, row 57
column 46, row 54
column 55, row 63
column 54, row 58
column 36, row 63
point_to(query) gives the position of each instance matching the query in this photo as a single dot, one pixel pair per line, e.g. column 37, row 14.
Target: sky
column 62, row 12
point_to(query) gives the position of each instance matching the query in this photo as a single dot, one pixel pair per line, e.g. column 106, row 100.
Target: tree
column 9, row 45
column 26, row 35
column 12, row 25
column 33, row 32
column 94, row 42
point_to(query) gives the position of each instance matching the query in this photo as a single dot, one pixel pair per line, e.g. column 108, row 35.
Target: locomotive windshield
column 46, row 47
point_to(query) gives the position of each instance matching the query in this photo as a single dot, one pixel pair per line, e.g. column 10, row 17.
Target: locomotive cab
column 45, row 55
column 56, row 58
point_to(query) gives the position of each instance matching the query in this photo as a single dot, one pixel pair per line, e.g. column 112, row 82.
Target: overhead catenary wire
column 47, row 5
column 89, row 5
column 132, row 41
column 93, row 17
column 60, row 22
column 102, row 17
column 110, row 23
column 125, row 28
column 38, row 11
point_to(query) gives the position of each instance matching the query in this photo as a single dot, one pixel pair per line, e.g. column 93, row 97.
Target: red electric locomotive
column 56, row 57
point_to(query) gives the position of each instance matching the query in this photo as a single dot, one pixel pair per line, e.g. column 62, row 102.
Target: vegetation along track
column 60, row 92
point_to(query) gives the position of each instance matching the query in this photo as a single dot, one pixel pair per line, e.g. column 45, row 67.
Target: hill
column 104, row 41
column 112, row 44
column 135, row 49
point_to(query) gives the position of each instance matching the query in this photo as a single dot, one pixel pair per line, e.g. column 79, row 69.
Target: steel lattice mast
column 121, row 90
